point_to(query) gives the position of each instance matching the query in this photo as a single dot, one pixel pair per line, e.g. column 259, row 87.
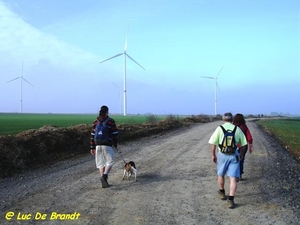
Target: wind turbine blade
column 218, row 86
column 115, row 84
column 208, row 77
column 111, row 57
column 13, row 79
column 125, row 46
column 134, row 60
column 220, row 71
column 27, row 81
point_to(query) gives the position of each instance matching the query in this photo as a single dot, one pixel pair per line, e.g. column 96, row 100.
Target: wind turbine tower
column 216, row 86
column 21, row 87
column 125, row 55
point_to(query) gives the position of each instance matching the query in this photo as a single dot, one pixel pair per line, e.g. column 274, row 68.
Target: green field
column 286, row 131
column 13, row 123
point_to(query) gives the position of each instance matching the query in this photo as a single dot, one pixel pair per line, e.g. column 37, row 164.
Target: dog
column 129, row 170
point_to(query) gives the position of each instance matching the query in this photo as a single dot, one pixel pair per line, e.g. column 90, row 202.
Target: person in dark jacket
column 240, row 121
column 104, row 152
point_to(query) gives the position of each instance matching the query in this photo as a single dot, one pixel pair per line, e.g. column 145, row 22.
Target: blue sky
column 257, row 43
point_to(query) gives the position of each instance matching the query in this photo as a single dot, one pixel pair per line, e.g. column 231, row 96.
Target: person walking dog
column 225, row 138
column 103, row 140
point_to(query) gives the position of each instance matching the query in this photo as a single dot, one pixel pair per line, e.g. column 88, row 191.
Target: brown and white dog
column 129, row 170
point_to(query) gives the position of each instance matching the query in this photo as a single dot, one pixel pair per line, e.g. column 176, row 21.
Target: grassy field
column 286, row 131
column 13, row 123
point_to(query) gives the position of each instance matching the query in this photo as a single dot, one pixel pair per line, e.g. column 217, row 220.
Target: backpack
column 101, row 132
column 228, row 145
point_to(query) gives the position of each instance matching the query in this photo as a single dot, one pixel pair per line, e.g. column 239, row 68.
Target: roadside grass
column 14, row 123
column 36, row 148
column 286, row 131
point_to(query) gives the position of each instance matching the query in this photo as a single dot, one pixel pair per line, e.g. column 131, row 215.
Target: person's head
column 103, row 110
column 227, row 117
column 239, row 119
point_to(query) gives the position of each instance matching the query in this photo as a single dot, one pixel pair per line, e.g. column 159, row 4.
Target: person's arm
column 214, row 141
column 114, row 132
column 250, row 147
column 92, row 142
column 213, row 153
column 249, row 139
column 243, row 142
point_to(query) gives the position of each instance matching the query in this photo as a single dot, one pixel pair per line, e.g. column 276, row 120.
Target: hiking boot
column 222, row 195
column 104, row 182
column 230, row 204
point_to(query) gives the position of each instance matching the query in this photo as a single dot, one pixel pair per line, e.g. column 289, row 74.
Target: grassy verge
column 42, row 147
column 14, row 123
column 286, row 131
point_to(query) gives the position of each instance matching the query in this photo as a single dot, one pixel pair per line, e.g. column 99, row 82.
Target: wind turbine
column 120, row 104
column 22, row 78
column 216, row 86
column 125, row 55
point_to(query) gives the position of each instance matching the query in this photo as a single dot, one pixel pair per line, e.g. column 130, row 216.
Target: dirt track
column 176, row 185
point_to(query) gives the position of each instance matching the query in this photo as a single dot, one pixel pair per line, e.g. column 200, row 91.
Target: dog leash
column 122, row 158
column 120, row 155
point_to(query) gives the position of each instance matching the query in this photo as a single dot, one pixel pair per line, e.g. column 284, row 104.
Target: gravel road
column 177, row 184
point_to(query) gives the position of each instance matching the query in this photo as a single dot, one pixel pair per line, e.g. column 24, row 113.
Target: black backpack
column 228, row 145
column 101, row 132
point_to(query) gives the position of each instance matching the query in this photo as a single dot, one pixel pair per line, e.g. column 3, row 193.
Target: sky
column 252, row 47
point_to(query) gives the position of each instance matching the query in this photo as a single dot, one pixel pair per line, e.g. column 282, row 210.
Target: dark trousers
column 242, row 161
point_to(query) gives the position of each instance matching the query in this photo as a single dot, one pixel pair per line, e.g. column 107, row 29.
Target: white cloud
column 20, row 41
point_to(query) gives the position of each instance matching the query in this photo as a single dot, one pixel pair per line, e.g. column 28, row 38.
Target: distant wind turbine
column 120, row 104
column 22, row 78
column 216, row 86
column 125, row 54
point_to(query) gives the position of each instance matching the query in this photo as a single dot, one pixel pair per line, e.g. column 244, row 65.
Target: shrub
column 151, row 118
column 173, row 118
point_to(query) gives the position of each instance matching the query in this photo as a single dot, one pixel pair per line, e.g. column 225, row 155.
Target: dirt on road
column 177, row 184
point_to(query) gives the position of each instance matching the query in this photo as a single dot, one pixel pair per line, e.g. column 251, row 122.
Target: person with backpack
column 240, row 121
column 103, row 140
column 226, row 139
